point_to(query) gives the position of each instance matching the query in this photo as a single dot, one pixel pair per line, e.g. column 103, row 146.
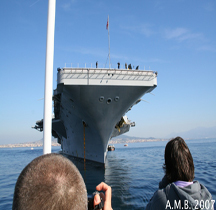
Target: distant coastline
column 117, row 140
column 134, row 140
column 113, row 141
column 38, row 143
column 26, row 145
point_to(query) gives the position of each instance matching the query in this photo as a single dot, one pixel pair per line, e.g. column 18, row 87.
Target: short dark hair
column 178, row 161
column 50, row 182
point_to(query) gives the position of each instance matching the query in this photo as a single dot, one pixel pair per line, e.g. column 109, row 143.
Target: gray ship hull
column 81, row 104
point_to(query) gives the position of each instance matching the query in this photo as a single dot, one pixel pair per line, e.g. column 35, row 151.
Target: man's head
column 50, row 182
column 178, row 161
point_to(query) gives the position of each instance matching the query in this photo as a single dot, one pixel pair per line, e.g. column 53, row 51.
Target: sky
column 175, row 38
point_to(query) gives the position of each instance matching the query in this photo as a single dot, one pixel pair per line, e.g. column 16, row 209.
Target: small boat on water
column 126, row 145
column 111, row 148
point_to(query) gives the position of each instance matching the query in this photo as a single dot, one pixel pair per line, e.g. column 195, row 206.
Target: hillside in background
column 131, row 139
column 196, row 133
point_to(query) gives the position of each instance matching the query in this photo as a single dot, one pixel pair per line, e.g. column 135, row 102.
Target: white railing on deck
column 99, row 65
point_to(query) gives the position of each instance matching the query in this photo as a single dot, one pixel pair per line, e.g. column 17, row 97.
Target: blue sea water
column 133, row 172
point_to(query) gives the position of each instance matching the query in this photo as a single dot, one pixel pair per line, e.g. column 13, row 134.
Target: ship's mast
column 107, row 27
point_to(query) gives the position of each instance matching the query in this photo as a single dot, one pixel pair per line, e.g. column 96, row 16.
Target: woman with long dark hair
column 178, row 190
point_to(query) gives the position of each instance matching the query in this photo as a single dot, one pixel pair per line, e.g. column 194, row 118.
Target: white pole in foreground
column 47, row 121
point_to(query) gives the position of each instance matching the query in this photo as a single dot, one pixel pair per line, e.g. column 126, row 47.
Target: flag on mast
column 107, row 25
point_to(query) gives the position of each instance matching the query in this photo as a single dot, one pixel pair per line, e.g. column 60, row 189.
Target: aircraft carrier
column 90, row 106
